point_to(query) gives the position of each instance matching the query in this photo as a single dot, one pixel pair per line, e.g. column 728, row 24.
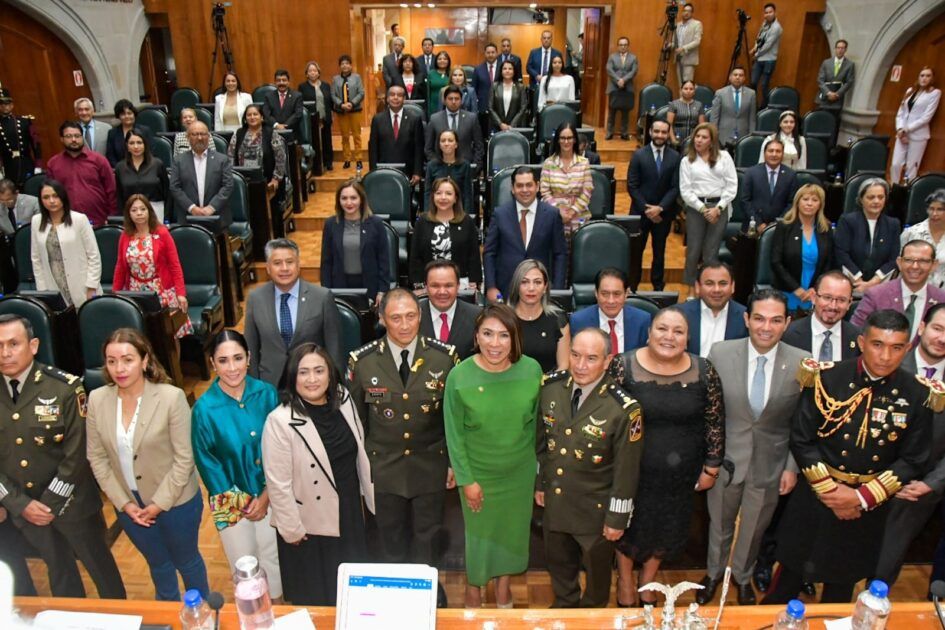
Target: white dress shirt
column 200, row 168
column 711, row 328
column 753, row 355
column 919, row 308
column 698, row 181
column 435, row 314
column 559, row 88
column 529, row 218
column 507, row 90
column 586, row 390
column 817, row 330
column 400, row 116
column 921, row 364
column 618, row 328
column 125, row 440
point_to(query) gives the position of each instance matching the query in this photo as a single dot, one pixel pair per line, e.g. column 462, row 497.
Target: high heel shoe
column 620, row 604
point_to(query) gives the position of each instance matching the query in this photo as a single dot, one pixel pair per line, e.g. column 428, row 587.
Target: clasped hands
column 844, row 501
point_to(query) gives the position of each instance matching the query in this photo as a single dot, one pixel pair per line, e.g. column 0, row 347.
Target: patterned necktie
column 396, row 125
column 282, row 99
column 910, row 311
column 614, row 342
column 756, row 397
column 738, row 101
column 491, row 72
column 772, row 180
column 575, row 401
column 444, row 328
column 929, row 373
column 285, row 319
column 544, row 63
column 826, row 349
column 404, row 366
column 523, row 226
column 14, row 389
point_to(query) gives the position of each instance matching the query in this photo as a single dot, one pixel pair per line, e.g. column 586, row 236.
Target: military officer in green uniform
column 862, row 430
column 45, row 480
column 589, row 461
column 397, row 382
column 19, row 148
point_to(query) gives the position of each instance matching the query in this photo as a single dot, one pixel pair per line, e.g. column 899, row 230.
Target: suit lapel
column 781, row 371
column 740, row 359
column 300, row 311
column 149, row 404
column 306, row 430
column 269, row 309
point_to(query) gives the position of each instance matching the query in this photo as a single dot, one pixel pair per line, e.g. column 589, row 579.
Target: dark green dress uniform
column 42, row 457
column 405, row 442
column 872, row 435
column 589, row 464
column 19, row 150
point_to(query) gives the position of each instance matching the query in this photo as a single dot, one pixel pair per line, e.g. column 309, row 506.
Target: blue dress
column 808, row 266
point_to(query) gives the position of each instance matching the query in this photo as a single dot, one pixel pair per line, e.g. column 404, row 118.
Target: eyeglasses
column 921, row 262
column 831, row 299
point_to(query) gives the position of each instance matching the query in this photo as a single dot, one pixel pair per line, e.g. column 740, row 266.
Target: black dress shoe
column 809, row 589
column 360, row 165
column 625, row 137
column 746, row 595
column 707, row 594
column 346, row 165
column 440, row 596
column 609, row 136
column 330, row 167
column 762, row 579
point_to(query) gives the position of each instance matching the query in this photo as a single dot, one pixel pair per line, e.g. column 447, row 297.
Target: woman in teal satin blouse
column 227, row 428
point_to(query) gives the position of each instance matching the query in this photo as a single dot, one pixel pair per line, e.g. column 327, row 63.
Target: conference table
column 905, row 616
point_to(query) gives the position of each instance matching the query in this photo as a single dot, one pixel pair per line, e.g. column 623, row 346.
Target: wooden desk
column 911, row 616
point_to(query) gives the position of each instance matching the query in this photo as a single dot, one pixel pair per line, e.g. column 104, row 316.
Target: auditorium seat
column 596, row 245
column 196, row 249
column 808, row 177
column 106, row 237
column 40, row 318
column 784, row 97
column 98, row 319
column 181, row 98
column 219, row 143
column 764, row 275
column 259, row 94
column 748, row 151
column 162, row 149
column 22, row 259
column 867, row 155
column 204, row 116
column 395, row 245
column 705, row 95
column 388, row 193
column 417, row 108
column 652, row 96
column 734, row 224
column 816, row 156
column 850, row 189
column 643, row 303
column 34, row 185
column 351, row 336
column 548, row 120
column 241, row 232
column 919, row 189
column 506, row 148
column 767, row 121
column 819, row 124
column 154, row 119
column 605, row 191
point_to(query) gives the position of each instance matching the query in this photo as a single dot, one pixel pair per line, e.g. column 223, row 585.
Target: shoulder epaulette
column 936, row 398
column 552, row 377
column 620, row 395
column 439, row 345
column 365, row 350
column 58, row 374
column 809, row 371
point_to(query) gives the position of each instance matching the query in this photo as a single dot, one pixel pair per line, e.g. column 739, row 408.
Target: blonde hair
column 823, row 225
column 714, row 148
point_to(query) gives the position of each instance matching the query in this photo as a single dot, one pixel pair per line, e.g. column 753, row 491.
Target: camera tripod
column 668, row 45
column 222, row 43
column 741, row 45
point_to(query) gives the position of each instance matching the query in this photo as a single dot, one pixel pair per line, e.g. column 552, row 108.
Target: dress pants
column 685, row 73
column 908, row 155
column 659, row 232
column 409, row 528
column 760, row 78
column 254, row 538
column 328, row 152
column 12, row 553
column 350, row 128
column 788, row 584
column 61, row 541
column 905, row 521
column 757, row 506
column 565, row 555
column 703, row 240
column 624, row 120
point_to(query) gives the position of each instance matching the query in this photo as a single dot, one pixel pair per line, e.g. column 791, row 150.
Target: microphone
column 938, row 593
column 215, row 602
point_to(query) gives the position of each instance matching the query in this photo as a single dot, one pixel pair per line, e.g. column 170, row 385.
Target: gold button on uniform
column 24, row 463
column 19, row 440
column 846, row 436
column 406, row 436
column 875, row 458
column 843, row 453
column 567, row 431
column 563, row 451
column 406, row 395
column 560, row 471
column 29, row 484
column 16, row 416
column 406, row 416
column 557, row 490
column 407, row 452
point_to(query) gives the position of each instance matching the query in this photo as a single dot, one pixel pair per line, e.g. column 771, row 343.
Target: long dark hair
column 128, row 224
column 556, row 142
column 45, row 219
column 551, row 71
column 287, row 393
column 147, row 150
column 796, row 134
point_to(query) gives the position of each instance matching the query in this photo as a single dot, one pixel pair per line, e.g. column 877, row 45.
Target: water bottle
column 792, row 617
column 752, row 228
column 252, row 595
column 872, row 607
column 652, row 109
column 195, row 615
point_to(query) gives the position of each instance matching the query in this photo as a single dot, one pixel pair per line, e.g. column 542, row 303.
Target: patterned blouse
column 568, row 188
column 250, row 152
column 920, row 231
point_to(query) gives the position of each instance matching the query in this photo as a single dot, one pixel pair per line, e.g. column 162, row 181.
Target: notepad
column 66, row 620
column 384, row 596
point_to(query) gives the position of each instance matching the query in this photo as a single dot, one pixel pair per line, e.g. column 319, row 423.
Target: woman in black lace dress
column 684, row 441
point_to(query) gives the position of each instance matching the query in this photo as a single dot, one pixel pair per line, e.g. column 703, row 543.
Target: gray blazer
column 689, row 41
column 355, row 91
column 100, row 136
column 469, row 132
column 390, row 70
column 218, row 185
column 317, row 320
column 760, row 445
column 723, row 116
column 26, row 206
column 768, row 41
column 617, row 71
column 830, row 82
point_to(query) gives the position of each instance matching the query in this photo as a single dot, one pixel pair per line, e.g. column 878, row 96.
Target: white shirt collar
column 532, row 207
column 450, row 312
column 20, row 378
column 817, row 327
column 921, row 364
column 906, row 292
column 754, row 354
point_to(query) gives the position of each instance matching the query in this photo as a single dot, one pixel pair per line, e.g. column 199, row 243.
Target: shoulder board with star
column 58, row 374
column 555, row 376
column 439, row 345
column 936, row 398
column 365, row 350
column 28, row 117
column 621, row 396
column 809, row 371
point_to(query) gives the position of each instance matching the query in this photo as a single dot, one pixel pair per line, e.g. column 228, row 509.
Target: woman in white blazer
column 230, row 105
column 317, row 473
column 63, row 249
column 912, row 126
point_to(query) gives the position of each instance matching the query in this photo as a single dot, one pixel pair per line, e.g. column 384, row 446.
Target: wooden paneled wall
column 36, row 66
column 926, row 48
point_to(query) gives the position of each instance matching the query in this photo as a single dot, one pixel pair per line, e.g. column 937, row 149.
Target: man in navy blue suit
column 768, row 188
column 653, row 184
column 714, row 316
column 484, row 75
column 627, row 326
column 508, row 55
column 539, row 59
column 524, row 228
column 426, row 59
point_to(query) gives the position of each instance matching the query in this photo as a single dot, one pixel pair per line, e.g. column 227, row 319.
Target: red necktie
column 444, row 328
column 491, row 70
column 614, row 346
column 396, row 125
column 282, row 99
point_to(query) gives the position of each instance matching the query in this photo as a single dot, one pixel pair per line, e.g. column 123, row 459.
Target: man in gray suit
column 465, row 124
column 835, row 78
column 389, row 65
column 915, row 503
column 760, row 394
column 621, row 68
column 688, row 38
column 201, row 181
column 286, row 312
column 765, row 51
column 733, row 108
column 443, row 316
column 94, row 132
column 16, row 208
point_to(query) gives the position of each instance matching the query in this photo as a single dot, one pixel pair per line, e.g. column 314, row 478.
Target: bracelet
column 713, row 475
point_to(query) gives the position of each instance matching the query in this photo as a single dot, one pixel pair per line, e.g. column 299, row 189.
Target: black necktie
column 575, row 401
column 404, row 366
column 15, row 388
column 12, row 214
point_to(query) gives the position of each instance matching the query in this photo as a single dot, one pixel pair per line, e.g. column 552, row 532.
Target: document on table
column 64, row 620
column 383, row 596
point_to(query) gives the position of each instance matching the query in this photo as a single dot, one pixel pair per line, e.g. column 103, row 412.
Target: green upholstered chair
column 764, row 275
column 99, row 318
column 867, row 155
column 154, row 119
column 204, row 116
column 595, row 245
column 388, row 192
column 644, row 304
column 605, row 192
column 747, row 151
column 767, row 121
column 507, row 148
column 850, row 189
column 351, row 338
column 259, row 94
column 40, row 318
column 819, row 124
column 162, row 149
column 106, row 236
column 181, row 98
column 783, row 97
column 919, row 189
column 22, row 259
column 198, row 260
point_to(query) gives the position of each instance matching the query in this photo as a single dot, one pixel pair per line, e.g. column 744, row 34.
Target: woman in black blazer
column 413, row 82
column 868, row 260
column 354, row 245
column 515, row 115
column 448, row 164
column 318, row 91
column 802, row 247
column 141, row 173
column 127, row 116
column 445, row 231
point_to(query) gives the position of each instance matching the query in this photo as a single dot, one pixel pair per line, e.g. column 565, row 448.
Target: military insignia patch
column 82, row 401
column 878, row 415
column 635, row 430
column 899, row 419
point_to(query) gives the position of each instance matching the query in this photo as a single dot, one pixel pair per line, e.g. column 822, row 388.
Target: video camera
column 742, row 16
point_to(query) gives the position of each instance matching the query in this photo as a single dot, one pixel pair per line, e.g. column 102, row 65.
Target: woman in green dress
column 437, row 79
column 490, row 404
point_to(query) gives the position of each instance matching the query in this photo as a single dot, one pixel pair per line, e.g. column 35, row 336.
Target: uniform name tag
column 376, row 393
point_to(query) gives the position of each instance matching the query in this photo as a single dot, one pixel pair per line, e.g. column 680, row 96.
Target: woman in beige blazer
column 317, row 473
column 63, row 249
column 138, row 431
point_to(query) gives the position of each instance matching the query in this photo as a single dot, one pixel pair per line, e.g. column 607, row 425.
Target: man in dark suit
column 914, row 505
column 443, row 316
column 286, row 312
column 653, row 184
column 835, row 78
column 715, row 316
column 464, row 123
column 834, row 295
column 425, row 59
column 484, row 75
column 524, row 228
column 389, row 67
column 201, row 181
column 768, row 188
column 626, row 326
column 539, row 59
column 507, row 55
column 283, row 108
column 397, row 136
